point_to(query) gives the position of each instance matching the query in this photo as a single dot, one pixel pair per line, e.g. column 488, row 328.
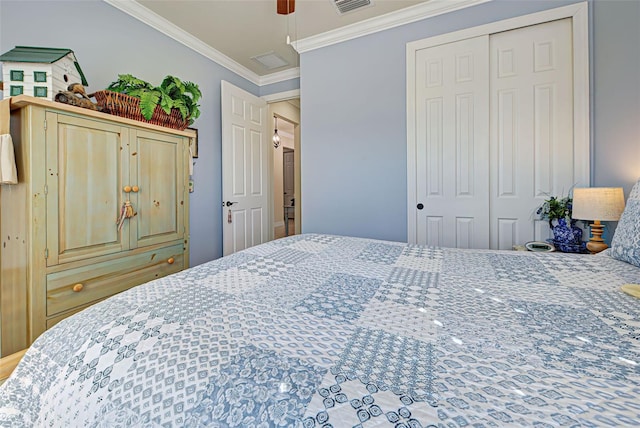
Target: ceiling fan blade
column 285, row 7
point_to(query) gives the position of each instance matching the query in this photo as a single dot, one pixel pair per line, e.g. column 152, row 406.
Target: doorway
column 284, row 195
column 285, row 115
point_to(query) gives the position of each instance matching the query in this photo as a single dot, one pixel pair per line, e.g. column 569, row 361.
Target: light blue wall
column 353, row 115
column 616, row 92
column 285, row 86
column 108, row 42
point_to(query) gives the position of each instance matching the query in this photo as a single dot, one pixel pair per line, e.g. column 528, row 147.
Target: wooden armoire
column 62, row 248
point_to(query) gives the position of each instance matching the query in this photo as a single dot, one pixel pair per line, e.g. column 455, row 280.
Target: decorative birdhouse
column 39, row 72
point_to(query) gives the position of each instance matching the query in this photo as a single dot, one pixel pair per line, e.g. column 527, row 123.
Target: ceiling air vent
column 345, row 6
column 270, row 60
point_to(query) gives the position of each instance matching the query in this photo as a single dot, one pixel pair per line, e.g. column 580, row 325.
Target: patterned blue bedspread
column 320, row 331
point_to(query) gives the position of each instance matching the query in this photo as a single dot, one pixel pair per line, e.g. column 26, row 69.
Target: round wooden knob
column 78, row 287
column 135, row 189
column 127, row 189
column 171, row 260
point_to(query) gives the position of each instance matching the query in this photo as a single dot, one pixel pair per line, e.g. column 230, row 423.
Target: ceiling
column 243, row 29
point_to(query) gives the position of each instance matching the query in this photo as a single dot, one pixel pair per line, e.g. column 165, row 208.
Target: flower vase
column 567, row 237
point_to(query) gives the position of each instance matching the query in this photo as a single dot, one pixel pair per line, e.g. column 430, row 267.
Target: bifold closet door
column 494, row 135
column 532, row 141
column 452, row 144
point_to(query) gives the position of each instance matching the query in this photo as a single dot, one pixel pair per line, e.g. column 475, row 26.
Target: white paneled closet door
column 531, row 127
column 492, row 131
column 452, row 154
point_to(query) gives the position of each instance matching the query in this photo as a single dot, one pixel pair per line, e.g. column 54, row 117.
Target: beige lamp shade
column 598, row 203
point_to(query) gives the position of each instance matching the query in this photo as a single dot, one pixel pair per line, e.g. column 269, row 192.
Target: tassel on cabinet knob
column 77, row 287
column 170, row 260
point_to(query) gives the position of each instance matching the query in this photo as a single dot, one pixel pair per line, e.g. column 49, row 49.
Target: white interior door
column 532, row 138
column 452, row 144
column 288, row 179
column 245, row 170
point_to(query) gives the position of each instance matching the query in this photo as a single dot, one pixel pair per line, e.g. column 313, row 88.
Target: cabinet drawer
column 75, row 287
column 56, row 319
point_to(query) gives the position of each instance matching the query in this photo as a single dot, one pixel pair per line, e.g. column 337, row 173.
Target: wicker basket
column 124, row 105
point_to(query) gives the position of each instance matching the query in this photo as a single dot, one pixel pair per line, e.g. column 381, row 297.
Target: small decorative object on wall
column 39, row 72
column 567, row 237
column 194, row 146
column 173, row 104
column 194, row 154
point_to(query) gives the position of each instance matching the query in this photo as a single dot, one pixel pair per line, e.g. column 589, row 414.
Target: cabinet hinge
column 46, row 253
column 45, row 124
column 46, row 189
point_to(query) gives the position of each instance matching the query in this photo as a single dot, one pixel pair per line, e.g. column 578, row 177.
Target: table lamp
column 597, row 204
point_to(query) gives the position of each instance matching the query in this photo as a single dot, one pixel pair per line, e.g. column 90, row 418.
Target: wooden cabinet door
column 157, row 169
column 85, row 162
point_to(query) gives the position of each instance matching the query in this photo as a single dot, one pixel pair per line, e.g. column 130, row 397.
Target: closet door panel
column 532, row 148
column 453, row 144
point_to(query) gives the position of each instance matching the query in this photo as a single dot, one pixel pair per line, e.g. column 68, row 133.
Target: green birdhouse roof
column 41, row 55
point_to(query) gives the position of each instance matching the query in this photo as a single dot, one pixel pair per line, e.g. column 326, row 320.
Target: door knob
column 420, row 206
column 229, row 203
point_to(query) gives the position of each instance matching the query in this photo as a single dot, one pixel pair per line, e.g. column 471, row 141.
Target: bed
column 319, row 330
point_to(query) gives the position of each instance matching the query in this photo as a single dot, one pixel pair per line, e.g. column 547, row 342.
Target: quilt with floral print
column 330, row 331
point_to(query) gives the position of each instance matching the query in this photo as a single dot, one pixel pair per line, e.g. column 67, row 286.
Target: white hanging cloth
column 8, row 170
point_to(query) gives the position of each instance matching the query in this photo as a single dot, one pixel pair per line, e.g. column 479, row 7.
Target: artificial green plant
column 172, row 93
column 555, row 208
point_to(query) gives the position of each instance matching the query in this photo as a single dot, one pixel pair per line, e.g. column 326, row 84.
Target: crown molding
column 282, row 96
column 280, row 76
column 383, row 22
column 152, row 19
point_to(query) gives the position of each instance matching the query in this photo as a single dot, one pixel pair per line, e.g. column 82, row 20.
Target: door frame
column 581, row 91
column 274, row 98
